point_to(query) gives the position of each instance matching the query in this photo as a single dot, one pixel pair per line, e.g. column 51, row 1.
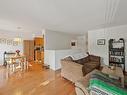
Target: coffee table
column 118, row 72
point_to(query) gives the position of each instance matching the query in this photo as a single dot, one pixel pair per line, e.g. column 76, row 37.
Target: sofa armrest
column 71, row 66
column 71, row 70
column 81, row 87
column 70, row 63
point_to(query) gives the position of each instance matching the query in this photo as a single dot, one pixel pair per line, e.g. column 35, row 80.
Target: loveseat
column 74, row 70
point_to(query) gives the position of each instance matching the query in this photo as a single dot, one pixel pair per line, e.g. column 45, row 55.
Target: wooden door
column 29, row 49
column 26, row 48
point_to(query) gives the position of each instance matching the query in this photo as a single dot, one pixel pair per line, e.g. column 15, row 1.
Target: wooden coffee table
column 118, row 72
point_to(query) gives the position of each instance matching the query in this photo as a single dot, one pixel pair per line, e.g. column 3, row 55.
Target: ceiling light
column 19, row 28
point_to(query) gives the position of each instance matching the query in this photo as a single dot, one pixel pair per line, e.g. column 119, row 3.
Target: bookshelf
column 117, row 53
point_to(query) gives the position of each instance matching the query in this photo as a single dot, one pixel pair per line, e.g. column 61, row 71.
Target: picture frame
column 101, row 42
column 9, row 42
column 15, row 43
column 73, row 43
column 3, row 41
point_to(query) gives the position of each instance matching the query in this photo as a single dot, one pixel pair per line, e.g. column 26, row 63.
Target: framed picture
column 15, row 43
column 3, row 41
column 73, row 43
column 9, row 42
column 101, row 42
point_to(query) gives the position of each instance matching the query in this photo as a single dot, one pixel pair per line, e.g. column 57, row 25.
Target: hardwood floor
column 35, row 81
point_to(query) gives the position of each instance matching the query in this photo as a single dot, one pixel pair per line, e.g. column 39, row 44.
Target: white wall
column 49, row 58
column 82, row 42
column 57, row 40
column 109, row 33
column 53, row 57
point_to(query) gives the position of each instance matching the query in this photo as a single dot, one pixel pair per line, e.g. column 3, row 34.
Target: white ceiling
column 71, row 16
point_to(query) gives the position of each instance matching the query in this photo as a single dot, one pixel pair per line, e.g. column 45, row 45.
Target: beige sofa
column 74, row 70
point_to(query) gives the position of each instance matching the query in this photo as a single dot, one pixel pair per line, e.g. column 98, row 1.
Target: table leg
column 13, row 68
column 24, row 65
column 7, row 66
column 21, row 64
column 122, row 81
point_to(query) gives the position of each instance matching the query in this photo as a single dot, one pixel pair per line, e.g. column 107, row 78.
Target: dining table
column 18, row 62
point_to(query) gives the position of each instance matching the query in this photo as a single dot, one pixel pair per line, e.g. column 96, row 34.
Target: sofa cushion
column 88, row 67
column 94, row 58
column 82, row 61
column 79, row 56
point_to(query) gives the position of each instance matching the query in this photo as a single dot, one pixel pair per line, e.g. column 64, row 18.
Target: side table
column 118, row 72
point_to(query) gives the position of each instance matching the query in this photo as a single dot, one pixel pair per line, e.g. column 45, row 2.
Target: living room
column 63, row 47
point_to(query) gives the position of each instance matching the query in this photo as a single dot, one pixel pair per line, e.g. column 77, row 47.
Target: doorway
column 34, row 50
column 39, row 49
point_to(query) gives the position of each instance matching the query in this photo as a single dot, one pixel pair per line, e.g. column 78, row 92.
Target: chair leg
column 7, row 66
column 13, row 68
column 21, row 65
